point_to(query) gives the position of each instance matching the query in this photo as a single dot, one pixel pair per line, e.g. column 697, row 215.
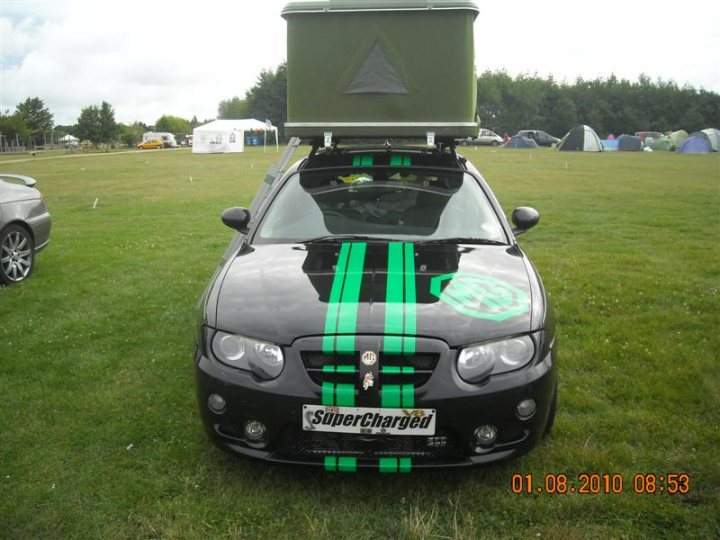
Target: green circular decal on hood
column 480, row 296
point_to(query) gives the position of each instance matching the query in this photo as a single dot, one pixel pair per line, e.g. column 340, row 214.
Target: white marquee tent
column 69, row 140
column 223, row 136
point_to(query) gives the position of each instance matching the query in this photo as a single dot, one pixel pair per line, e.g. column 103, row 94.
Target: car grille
column 296, row 443
column 317, row 363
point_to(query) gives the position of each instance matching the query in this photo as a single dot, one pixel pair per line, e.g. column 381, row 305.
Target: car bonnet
column 458, row 293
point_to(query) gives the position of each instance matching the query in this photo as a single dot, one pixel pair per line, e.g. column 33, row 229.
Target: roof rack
column 429, row 142
column 348, row 151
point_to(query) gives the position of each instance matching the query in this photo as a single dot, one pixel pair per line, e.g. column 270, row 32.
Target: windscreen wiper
column 339, row 238
column 461, row 240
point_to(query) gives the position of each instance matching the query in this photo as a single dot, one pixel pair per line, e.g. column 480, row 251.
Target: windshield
column 408, row 205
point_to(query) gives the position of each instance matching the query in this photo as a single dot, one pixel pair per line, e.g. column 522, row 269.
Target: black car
column 375, row 311
column 540, row 137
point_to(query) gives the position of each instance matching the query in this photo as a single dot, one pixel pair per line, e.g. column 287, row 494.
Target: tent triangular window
column 376, row 75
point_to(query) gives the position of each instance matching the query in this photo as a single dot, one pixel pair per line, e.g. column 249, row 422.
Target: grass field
column 99, row 434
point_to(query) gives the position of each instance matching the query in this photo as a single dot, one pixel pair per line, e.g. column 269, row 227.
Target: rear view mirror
column 524, row 218
column 236, row 218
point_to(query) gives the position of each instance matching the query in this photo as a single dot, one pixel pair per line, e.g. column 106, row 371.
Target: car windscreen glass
column 406, row 205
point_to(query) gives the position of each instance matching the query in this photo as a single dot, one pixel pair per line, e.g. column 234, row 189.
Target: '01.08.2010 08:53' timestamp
column 600, row 483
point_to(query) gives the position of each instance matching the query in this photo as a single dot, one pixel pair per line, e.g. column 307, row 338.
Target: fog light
column 216, row 403
column 485, row 435
column 254, row 430
column 525, row 409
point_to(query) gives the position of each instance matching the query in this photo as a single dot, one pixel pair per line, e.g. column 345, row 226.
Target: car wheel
column 551, row 414
column 17, row 254
column 464, row 143
column 494, row 143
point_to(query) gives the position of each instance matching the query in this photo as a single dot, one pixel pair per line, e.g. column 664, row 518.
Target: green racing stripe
column 337, row 395
column 395, row 396
column 341, row 318
column 395, row 465
column 400, row 300
column 386, row 465
column 340, row 464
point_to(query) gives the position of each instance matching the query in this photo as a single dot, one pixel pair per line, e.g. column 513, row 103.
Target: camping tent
column 610, row 145
column 678, row 137
column 581, row 138
column 629, row 143
column 223, row 136
column 713, row 136
column 664, row 144
column 695, row 145
column 518, row 141
column 70, row 140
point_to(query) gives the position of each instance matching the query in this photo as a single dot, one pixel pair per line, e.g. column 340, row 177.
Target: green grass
column 99, row 434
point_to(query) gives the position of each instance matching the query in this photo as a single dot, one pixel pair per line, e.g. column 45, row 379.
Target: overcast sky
column 152, row 58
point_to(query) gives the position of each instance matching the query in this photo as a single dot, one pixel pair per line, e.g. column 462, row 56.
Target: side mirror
column 236, row 218
column 524, row 218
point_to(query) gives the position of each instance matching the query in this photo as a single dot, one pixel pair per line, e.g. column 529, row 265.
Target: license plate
column 368, row 420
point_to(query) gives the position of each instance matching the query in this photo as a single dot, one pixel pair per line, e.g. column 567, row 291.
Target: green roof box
column 395, row 68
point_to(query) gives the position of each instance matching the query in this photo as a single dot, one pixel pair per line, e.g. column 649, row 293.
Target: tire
column 17, row 254
column 464, row 143
column 551, row 415
column 494, row 143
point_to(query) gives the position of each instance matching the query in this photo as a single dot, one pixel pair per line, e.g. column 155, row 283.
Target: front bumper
column 461, row 409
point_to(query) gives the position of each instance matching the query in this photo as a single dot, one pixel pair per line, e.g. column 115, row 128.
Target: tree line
column 508, row 104
column 31, row 125
column 608, row 105
column 505, row 104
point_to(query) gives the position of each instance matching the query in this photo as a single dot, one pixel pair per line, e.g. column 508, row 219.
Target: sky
column 182, row 58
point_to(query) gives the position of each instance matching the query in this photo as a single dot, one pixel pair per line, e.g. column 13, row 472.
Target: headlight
column 476, row 363
column 264, row 359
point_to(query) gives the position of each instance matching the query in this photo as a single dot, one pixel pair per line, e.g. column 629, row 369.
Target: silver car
column 24, row 227
column 485, row 138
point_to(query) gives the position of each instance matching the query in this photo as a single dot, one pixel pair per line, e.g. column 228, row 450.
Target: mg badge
column 369, row 358
column 368, row 381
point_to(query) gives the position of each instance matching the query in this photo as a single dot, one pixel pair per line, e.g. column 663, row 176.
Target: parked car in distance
column 151, row 144
column 647, row 137
column 374, row 310
column 485, row 138
column 540, row 137
column 24, row 227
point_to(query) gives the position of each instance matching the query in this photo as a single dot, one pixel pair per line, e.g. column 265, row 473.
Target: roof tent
column 368, row 68
column 518, row 141
column 629, row 143
column 582, row 139
column 695, row 145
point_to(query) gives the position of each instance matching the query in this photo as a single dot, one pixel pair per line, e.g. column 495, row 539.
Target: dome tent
column 678, row 137
column 695, row 145
column 629, row 143
column 581, row 139
column 518, row 141
column 663, row 144
column 713, row 136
